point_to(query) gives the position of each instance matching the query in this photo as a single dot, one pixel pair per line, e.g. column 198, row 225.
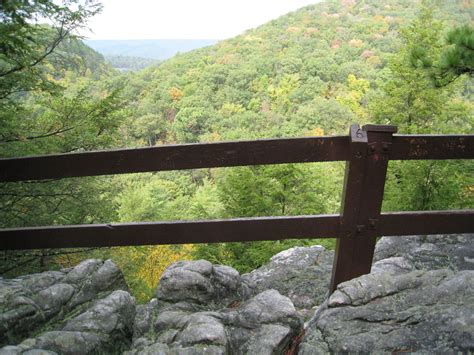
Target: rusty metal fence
column 366, row 150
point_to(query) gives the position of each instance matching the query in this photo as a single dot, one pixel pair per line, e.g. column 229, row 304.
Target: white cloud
column 210, row 19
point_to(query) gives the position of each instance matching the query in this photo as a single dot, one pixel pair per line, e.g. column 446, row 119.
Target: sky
column 185, row 19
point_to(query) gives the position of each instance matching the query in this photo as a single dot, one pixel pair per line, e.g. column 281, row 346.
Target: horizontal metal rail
column 432, row 147
column 175, row 157
column 427, row 222
column 230, row 230
column 366, row 150
column 173, row 232
column 224, row 154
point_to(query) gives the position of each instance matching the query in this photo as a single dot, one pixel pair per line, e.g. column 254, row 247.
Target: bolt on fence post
column 361, row 204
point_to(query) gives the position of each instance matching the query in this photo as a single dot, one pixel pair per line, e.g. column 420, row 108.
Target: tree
column 408, row 99
column 51, row 103
column 191, row 122
column 25, row 45
column 271, row 191
column 411, row 101
column 456, row 59
column 353, row 96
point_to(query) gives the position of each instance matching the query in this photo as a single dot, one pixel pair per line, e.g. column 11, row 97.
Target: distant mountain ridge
column 160, row 49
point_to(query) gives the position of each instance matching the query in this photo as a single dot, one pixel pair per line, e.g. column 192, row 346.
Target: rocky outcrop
column 202, row 284
column 265, row 324
column 34, row 303
column 207, row 309
column 431, row 311
column 199, row 308
column 453, row 252
column 300, row 273
column 106, row 327
column 418, row 297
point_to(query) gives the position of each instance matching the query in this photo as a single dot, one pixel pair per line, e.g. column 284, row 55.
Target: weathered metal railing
column 366, row 152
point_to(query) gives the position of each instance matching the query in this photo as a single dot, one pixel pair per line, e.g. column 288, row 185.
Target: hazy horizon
column 160, row 49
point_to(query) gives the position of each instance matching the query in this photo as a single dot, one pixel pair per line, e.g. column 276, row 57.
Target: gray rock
column 270, row 339
column 300, row 273
column 429, row 311
column 394, row 265
column 14, row 350
column 37, row 303
column 38, row 352
column 114, row 313
column 419, row 296
column 202, row 328
column 454, row 252
column 313, row 343
column 144, row 317
column 268, row 307
column 190, row 315
column 201, row 283
column 265, row 324
column 105, row 278
column 163, row 349
column 64, row 342
column 54, row 297
column 106, row 327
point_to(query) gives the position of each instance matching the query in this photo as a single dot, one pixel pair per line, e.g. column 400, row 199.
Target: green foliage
column 279, row 190
column 429, row 186
column 312, row 72
column 151, row 199
column 272, row 191
column 456, row 59
column 142, row 266
column 127, row 63
column 26, row 46
column 248, row 256
column 459, row 59
column 408, row 99
column 86, row 117
column 411, row 101
column 191, row 122
column 56, row 96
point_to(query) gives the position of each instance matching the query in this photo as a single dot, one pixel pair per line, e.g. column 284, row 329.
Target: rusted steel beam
column 427, row 222
column 423, row 147
column 364, row 184
column 176, row 232
column 175, row 157
column 230, row 230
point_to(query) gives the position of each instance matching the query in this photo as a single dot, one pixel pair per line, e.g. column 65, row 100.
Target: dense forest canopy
column 311, row 72
column 129, row 63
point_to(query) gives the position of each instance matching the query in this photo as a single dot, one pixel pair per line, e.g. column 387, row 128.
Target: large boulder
column 301, row 273
column 202, row 284
column 106, row 327
column 205, row 309
column 428, row 311
column 264, row 324
column 31, row 303
column 453, row 252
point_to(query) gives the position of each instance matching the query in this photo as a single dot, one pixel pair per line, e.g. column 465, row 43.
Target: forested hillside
column 128, row 63
column 311, row 72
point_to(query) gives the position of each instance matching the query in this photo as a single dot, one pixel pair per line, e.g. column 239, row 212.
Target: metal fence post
column 361, row 204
